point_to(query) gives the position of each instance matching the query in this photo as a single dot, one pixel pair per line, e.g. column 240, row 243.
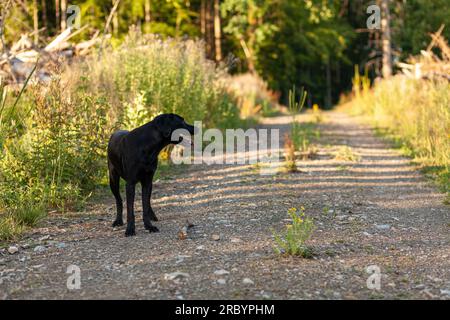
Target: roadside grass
column 438, row 174
column 9, row 229
column 414, row 116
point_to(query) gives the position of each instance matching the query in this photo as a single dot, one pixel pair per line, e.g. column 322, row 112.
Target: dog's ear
column 164, row 126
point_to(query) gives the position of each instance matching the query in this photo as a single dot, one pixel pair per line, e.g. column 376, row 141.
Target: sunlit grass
column 415, row 116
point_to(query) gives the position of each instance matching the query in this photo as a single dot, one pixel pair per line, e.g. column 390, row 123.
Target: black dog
column 133, row 156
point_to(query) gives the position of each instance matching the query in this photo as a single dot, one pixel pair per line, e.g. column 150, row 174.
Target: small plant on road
column 295, row 140
column 346, row 153
column 292, row 240
column 295, row 108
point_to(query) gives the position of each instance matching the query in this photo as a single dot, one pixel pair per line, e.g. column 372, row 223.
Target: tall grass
column 52, row 143
column 146, row 76
column 415, row 113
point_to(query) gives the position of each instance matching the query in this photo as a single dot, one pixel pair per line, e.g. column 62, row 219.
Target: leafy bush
column 292, row 240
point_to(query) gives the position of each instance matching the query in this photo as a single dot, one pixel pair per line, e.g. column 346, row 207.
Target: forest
column 310, row 44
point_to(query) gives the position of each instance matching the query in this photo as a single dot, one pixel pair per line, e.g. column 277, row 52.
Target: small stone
column 175, row 276
column 61, row 245
column 235, row 240
column 445, row 292
column 46, row 237
column 215, row 237
column 222, row 281
column 200, row 248
column 366, row 234
column 221, row 272
column 247, row 281
column 382, row 226
column 39, row 249
column 13, row 249
column 265, row 295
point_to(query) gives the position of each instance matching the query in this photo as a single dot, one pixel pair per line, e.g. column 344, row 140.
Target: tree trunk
column 217, row 31
column 44, row 15
column 57, row 22
column 35, row 22
column 147, row 11
column 203, row 19
column 63, row 14
column 328, row 100
column 386, row 39
column 209, row 29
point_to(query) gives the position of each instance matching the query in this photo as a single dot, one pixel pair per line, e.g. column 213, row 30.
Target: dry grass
column 413, row 112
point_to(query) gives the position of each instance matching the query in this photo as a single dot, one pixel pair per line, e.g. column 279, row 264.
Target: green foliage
column 293, row 240
column 414, row 20
column 309, row 35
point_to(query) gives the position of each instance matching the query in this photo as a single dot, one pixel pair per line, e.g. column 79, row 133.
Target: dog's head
column 167, row 123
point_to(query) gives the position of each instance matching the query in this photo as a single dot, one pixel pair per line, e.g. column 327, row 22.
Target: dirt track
column 378, row 211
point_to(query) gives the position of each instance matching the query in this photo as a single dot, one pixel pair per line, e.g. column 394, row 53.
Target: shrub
column 292, row 240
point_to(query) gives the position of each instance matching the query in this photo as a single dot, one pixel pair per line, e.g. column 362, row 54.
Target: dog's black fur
column 133, row 156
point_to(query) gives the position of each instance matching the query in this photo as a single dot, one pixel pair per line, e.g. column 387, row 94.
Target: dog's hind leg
column 114, row 184
column 131, row 229
column 148, row 215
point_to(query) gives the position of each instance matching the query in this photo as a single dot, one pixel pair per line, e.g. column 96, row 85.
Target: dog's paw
column 153, row 218
column 130, row 232
column 152, row 229
column 117, row 223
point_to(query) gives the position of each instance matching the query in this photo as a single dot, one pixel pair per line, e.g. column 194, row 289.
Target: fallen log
column 58, row 41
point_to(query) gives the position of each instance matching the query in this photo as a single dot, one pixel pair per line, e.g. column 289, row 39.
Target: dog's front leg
column 148, row 214
column 131, row 229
